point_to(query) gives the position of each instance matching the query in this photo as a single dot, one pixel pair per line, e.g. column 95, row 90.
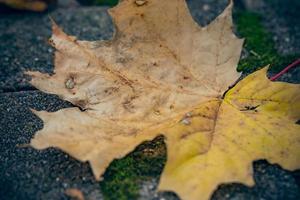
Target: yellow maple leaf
column 163, row 74
column 255, row 120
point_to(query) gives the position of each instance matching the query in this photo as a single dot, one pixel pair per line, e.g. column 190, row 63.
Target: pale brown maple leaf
column 158, row 66
column 163, row 74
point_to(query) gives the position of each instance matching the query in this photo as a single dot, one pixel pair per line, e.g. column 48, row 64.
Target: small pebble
column 287, row 39
column 39, row 38
column 28, row 175
column 151, row 187
column 206, row 7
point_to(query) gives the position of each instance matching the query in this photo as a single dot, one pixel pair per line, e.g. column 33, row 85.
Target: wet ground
column 28, row 174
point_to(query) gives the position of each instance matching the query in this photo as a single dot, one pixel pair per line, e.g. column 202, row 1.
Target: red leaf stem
column 295, row 63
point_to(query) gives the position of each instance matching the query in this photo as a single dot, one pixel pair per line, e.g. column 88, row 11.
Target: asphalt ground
column 28, row 174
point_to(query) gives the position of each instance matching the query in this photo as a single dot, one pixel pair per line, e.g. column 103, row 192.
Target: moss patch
column 260, row 48
column 123, row 177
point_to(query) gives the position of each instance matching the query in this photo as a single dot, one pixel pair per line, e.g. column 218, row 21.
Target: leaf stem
column 295, row 63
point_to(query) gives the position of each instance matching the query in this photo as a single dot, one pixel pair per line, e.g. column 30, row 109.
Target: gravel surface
column 281, row 18
column 29, row 174
column 26, row 173
column 24, row 40
column 271, row 182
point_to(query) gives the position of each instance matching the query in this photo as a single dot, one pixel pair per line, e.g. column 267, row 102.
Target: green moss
column 123, row 176
column 258, row 44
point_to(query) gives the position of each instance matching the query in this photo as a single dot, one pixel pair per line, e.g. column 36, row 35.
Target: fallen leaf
column 255, row 120
column 163, row 74
column 74, row 193
column 32, row 5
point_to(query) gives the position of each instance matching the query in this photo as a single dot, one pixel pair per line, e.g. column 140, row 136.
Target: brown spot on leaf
column 128, row 105
column 51, row 42
column 185, row 135
column 81, row 103
column 157, row 112
column 111, row 90
column 241, row 123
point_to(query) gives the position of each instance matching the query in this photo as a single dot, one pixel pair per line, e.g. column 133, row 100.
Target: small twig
column 297, row 62
column 254, row 53
column 23, row 145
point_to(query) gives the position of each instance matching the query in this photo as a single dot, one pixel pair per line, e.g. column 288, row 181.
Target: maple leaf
column 33, row 5
column 163, row 74
column 255, row 120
